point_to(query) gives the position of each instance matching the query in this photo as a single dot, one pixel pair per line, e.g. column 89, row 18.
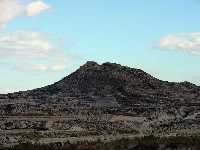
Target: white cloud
column 189, row 42
column 30, row 67
column 36, row 8
column 10, row 9
column 25, row 44
column 54, row 66
column 32, row 51
column 58, row 67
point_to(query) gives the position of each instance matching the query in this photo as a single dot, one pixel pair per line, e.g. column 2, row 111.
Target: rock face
column 102, row 100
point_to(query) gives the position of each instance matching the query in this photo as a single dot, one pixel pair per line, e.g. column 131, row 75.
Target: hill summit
column 111, row 79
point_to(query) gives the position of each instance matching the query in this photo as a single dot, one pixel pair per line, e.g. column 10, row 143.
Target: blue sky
column 159, row 37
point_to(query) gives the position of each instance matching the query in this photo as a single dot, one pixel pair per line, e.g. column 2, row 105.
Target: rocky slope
column 98, row 100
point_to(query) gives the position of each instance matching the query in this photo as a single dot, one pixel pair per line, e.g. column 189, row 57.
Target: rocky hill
column 96, row 100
